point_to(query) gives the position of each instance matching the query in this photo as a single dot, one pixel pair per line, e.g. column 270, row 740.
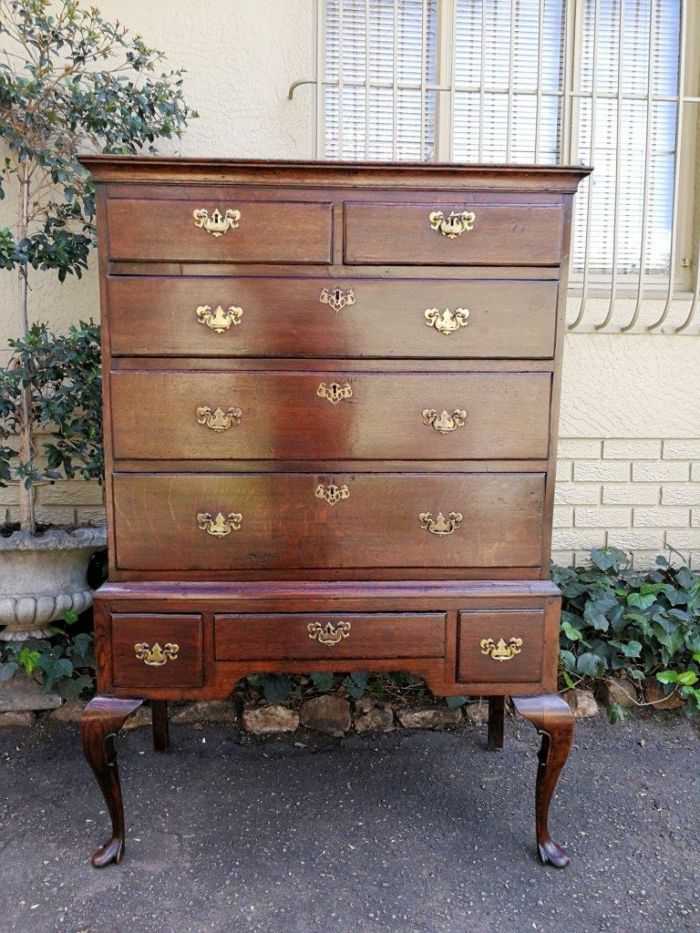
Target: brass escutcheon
column 219, row 420
column 336, row 298
column 440, row 526
column 218, row 320
column 328, row 634
column 220, row 526
column 501, row 651
column 332, row 493
column 218, row 223
column 444, row 422
column 446, row 322
column 156, row 656
column 334, row 392
column 455, row 224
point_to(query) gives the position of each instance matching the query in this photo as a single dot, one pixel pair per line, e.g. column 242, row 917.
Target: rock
column 263, row 720
column 17, row 718
column 582, row 703
column 477, row 713
column 620, row 690
column 373, row 716
column 654, row 694
column 203, row 711
column 429, row 717
column 142, row 717
column 71, row 711
column 24, row 693
column 329, row 714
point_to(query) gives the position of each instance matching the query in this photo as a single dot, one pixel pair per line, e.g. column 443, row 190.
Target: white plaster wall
column 240, row 56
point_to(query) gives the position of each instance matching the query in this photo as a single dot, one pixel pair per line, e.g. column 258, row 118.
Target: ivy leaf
column 573, row 634
column 323, row 681
column 455, row 702
column 590, row 664
column 667, row 677
column 276, row 687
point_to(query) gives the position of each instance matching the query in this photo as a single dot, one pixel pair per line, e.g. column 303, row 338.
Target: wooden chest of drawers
column 331, row 397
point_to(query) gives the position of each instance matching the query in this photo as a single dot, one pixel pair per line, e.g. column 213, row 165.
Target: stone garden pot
column 43, row 576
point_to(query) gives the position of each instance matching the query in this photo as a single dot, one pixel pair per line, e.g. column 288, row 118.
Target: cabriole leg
column 497, row 711
column 552, row 718
column 161, row 732
column 102, row 719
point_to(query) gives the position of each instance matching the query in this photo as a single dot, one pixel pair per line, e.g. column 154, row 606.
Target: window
column 543, row 81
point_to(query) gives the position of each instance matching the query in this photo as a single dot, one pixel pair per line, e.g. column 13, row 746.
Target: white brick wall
column 638, row 494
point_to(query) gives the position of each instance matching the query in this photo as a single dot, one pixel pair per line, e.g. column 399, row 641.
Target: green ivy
column 63, row 663
column 642, row 624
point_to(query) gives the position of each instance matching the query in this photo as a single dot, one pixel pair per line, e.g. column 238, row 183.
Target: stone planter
column 43, row 576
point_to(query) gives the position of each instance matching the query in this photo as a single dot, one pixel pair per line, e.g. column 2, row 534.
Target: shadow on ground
column 407, row 831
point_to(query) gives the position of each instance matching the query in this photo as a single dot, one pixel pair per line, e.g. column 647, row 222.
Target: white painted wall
column 618, row 391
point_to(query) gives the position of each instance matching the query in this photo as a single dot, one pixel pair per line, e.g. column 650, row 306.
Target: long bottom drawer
column 302, row 520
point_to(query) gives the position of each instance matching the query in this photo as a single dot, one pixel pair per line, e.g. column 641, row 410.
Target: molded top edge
column 116, row 168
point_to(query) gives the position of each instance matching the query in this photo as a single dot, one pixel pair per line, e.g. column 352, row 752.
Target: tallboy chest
column 331, row 397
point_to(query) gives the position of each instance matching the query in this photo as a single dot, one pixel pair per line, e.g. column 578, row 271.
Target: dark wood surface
column 283, row 316
column 361, row 416
column 504, row 234
column 183, row 631
column 241, row 603
column 285, row 524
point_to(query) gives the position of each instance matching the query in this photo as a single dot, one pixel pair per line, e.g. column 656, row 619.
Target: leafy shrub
column 616, row 620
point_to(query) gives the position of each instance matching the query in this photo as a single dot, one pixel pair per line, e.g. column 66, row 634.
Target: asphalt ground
column 408, row 831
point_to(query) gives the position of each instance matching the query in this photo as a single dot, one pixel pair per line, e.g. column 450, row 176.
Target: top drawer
column 450, row 233
column 222, row 231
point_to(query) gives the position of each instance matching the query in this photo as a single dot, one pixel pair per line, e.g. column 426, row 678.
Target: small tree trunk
column 26, row 446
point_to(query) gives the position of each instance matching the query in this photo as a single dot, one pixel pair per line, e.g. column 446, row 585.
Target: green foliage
column 70, row 81
column 63, row 377
column 63, row 663
column 640, row 624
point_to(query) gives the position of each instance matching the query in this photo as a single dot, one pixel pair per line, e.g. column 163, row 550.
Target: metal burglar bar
column 540, row 81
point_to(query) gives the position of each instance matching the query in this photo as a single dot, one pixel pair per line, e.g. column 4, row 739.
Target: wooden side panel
column 286, row 521
column 338, row 415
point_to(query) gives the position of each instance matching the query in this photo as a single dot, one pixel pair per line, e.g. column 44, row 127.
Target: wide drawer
column 301, row 520
column 505, row 645
column 315, row 317
column 232, row 231
column 350, row 635
column 499, row 234
column 329, row 415
column 157, row 650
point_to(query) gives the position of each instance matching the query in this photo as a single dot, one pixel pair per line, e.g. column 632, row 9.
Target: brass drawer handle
column 156, row 656
column 444, row 422
column 336, row 298
column 455, row 224
column 218, row 223
column 446, row 322
column 220, row 526
column 329, row 634
column 440, row 526
column 501, row 651
column 332, row 493
column 219, row 420
column 218, row 320
column 334, row 392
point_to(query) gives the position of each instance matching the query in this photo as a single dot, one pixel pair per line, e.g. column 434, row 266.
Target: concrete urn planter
column 43, row 576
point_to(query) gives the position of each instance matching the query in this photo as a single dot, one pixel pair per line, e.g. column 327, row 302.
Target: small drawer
column 157, row 650
column 298, row 636
column 501, row 646
column 248, row 316
column 232, row 230
column 453, row 233
column 338, row 415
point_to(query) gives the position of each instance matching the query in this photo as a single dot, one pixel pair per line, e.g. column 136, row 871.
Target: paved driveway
column 408, row 831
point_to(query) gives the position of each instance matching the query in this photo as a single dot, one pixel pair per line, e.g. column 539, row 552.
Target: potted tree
column 70, row 81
